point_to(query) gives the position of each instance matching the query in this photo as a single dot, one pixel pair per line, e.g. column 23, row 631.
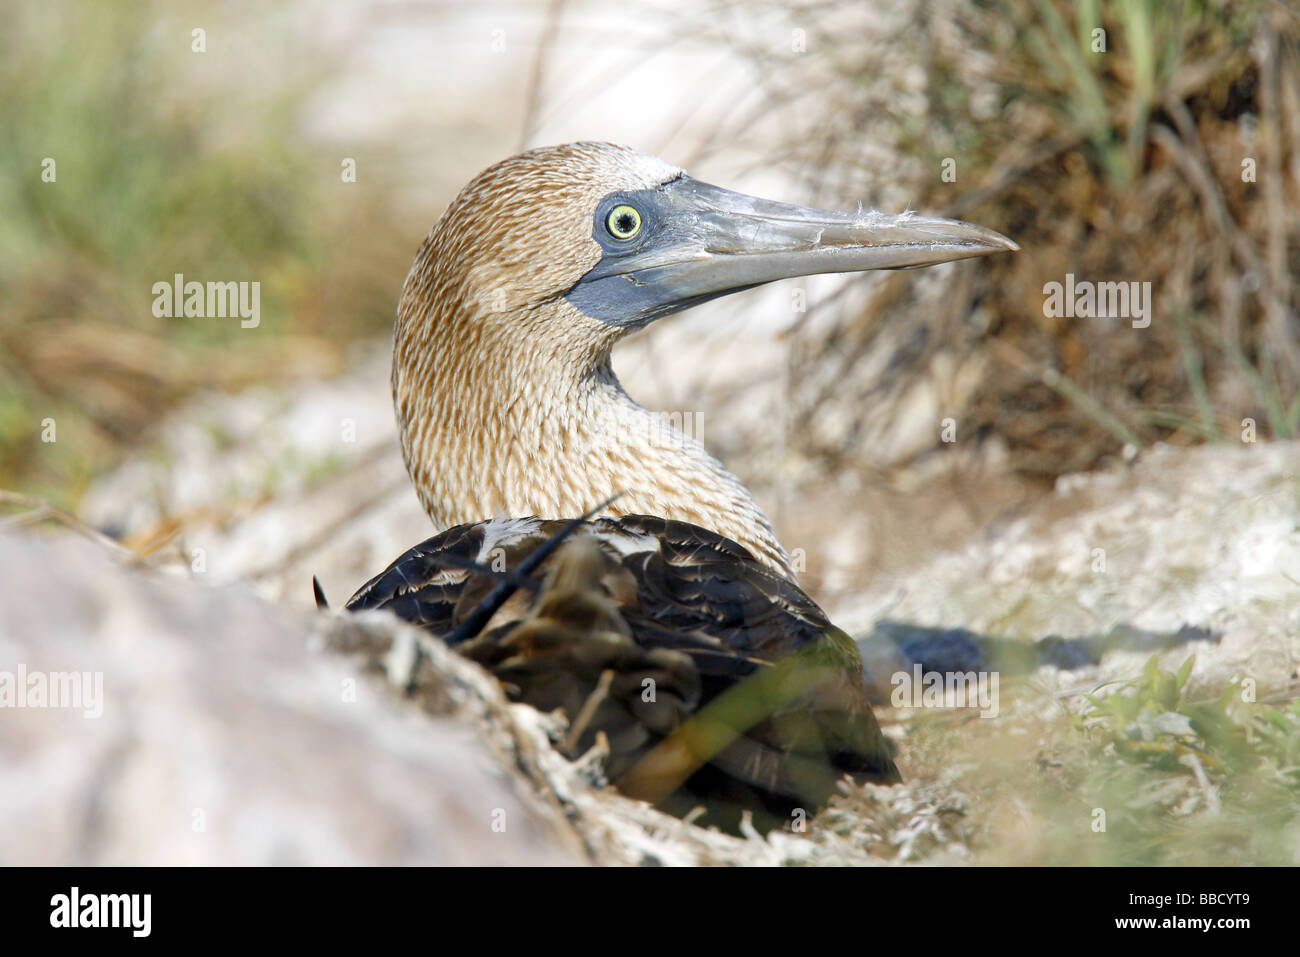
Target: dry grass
column 1123, row 165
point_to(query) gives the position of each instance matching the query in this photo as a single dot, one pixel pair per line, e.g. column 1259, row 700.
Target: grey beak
column 699, row 242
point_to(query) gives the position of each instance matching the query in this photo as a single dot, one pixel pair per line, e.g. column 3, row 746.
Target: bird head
column 624, row 238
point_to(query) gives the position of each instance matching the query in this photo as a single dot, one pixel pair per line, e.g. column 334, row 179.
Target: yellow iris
column 623, row 222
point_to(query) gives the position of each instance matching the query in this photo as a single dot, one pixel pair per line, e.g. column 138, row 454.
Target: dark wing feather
column 425, row 585
column 757, row 703
column 699, row 580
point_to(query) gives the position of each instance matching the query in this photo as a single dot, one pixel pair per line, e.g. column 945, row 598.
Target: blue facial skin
column 627, row 288
column 698, row 242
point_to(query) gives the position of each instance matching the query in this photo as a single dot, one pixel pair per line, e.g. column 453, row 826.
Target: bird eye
column 623, row 222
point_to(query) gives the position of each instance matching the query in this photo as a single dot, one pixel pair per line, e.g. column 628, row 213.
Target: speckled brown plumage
column 506, row 400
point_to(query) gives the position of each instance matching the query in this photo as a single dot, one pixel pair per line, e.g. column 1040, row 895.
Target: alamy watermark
column 1085, row 299
column 53, row 689
column 213, row 300
column 951, row 689
column 128, row 911
column 664, row 430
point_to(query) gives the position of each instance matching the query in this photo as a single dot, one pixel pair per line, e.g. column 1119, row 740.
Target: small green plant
column 1152, row 721
column 1278, row 736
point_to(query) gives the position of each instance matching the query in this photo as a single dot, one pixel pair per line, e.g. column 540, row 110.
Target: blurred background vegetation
column 158, row 173
column 1133, row 140
column 1122, row 165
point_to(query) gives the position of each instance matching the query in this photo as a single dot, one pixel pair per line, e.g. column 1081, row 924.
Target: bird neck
column 514, row 424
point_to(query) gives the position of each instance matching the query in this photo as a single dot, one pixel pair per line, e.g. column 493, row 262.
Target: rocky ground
column 240, row 725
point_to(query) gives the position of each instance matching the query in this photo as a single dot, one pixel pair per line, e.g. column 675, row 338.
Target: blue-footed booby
column 669, row 627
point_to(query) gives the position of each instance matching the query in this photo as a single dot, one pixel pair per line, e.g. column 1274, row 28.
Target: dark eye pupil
column 625, row 222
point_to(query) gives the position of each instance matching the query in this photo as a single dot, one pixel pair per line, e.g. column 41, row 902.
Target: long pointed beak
column 701, row 242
